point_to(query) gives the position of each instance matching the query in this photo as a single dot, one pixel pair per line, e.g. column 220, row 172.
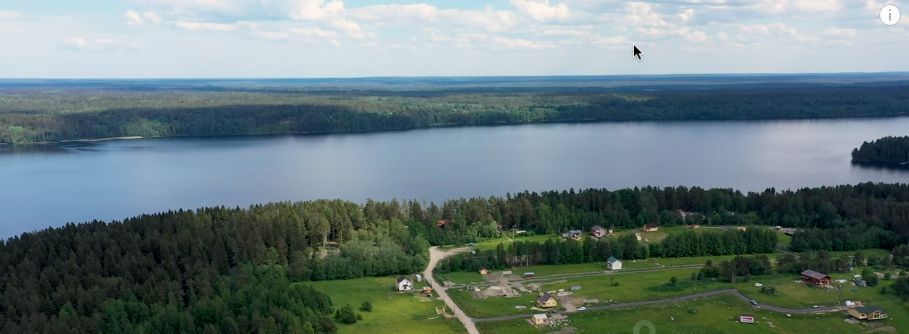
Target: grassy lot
column 710, row 316
column 493, row 243
column 621, row 287
column 392, row 312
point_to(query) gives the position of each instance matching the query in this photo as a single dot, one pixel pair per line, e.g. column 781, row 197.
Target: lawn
column 709, row 316
column 629, row 286
column 392, row 312
column 493, row 243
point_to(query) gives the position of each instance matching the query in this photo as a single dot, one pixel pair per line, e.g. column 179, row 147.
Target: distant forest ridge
column 55, row 110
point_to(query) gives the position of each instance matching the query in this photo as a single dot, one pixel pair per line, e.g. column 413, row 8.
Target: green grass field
column 709, row 316
column 392, row 312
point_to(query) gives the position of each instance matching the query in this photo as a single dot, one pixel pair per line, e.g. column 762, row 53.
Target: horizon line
column 454, row 76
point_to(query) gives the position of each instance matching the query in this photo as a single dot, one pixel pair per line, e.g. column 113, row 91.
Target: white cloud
column 134, row 18
column 774, row 31
column 9, row 15
column 486, row 19
column 811, row 6
column 98, row 44
column 541, row 10
column 206, row 26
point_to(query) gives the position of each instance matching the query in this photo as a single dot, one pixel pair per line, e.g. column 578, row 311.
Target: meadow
column 392, row 312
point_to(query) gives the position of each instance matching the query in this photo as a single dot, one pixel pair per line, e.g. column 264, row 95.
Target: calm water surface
column 114, row 180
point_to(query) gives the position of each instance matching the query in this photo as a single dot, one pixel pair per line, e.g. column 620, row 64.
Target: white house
column 404, row 284
column 613, row 263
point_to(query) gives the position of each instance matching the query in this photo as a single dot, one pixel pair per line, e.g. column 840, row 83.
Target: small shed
column 867, row 313
column 812, row 277
column 573, row 234
column 651, row 227
column 746, row 319
column 404, row 284
column 547, row 301
column 540, row 319
column 598, row 231
column 613, row 263
column 484, row 271
column 529, row 274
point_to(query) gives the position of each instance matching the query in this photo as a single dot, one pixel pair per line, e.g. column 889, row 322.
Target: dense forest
column 885, row 152
column 627, row 247
column 49, row 114
column 201, row 271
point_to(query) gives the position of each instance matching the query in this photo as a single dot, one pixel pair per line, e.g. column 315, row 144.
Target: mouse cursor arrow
column 637, row 52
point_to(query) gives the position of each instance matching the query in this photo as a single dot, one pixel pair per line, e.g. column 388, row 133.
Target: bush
column 366, row 306
column 346, row 315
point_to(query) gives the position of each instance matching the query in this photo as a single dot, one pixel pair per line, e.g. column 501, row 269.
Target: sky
column 358, row 38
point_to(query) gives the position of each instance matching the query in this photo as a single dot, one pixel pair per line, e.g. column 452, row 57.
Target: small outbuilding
column 573, row 234
column 529, row 274
column 547, row 301
column 613, row 263
column 598, row 231
column 540, row 319
column 484, row 271
column 746, row 319
column 814, row 278
column 404, row 284
column 867, row 313
column 651, row 228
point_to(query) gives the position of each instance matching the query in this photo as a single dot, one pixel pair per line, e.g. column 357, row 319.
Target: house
column 867, row 313
column 746, row 319
column 613, row 263
column 540, row 319
column 529, row 274
column 547, row 301
column 651, row 228
column 599, row 231
column 573, row 234
column 419, row 277
column 484, row 271
column 442, row 223
column 404, row 284
column 812, row 277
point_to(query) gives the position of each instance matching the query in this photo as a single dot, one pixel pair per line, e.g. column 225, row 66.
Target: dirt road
column 435, row 255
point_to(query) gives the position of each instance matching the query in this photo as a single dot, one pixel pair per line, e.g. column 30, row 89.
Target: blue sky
column 335, row 38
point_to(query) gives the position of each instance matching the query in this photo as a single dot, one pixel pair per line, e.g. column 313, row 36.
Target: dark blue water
column 114, row 180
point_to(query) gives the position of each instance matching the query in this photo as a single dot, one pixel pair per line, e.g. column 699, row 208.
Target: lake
column 118, row 179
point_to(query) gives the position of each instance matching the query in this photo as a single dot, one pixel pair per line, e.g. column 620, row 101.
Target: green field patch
column 392, row 312
column 709, row 316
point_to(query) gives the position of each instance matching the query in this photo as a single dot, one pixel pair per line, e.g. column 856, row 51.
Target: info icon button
column 890, row 15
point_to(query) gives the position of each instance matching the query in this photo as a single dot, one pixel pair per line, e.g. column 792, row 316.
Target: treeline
column 186, row 272
column 28, row 115
column 705, row 243
column 625, row 247
column 886, row 151
column 552, row 251
column 879, row 211
column 843, row 239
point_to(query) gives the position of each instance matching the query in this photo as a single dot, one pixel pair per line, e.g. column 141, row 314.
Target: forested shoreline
column 199, row 271
column 884, row 152
column 32, row 115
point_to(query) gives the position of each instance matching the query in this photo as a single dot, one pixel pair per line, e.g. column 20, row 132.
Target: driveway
column 436, row 255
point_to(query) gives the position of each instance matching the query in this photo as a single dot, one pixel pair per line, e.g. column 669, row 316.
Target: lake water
column 118, row 179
